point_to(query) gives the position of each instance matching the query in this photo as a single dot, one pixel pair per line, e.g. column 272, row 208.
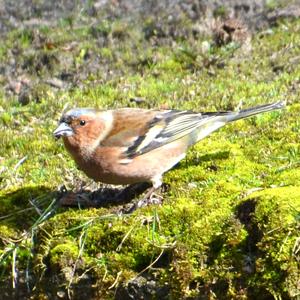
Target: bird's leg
column 151, row 197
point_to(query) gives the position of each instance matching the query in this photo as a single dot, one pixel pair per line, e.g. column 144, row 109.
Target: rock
column 231, row 30
column 55, row 82
column 291, row 11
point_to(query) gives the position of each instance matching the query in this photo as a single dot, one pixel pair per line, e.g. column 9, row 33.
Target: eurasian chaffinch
column 131, row 145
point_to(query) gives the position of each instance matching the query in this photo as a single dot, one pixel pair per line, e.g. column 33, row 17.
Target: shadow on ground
column 20, row 209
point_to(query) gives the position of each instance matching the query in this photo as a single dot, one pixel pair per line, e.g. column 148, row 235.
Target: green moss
column 7, row 233
column 64, row 254
column 277, row 217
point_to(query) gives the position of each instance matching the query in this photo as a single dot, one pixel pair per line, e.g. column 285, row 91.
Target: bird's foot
column 150, row 198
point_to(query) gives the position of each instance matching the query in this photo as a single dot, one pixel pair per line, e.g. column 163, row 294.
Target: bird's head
column 82, row 128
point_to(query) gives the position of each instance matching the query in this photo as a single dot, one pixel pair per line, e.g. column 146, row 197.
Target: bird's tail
column 245, row 113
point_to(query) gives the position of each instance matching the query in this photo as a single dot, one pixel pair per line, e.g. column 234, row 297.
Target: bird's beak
column 63, row 130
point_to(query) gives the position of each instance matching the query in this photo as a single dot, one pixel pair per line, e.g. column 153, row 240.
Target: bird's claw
column 149, row 200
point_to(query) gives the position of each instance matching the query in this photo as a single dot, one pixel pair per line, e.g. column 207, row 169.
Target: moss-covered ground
column 229, row 225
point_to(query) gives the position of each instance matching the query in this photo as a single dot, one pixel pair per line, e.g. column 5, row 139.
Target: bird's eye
column 82, row 122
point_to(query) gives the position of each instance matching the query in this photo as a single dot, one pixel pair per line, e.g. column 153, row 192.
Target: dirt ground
column 27, row 74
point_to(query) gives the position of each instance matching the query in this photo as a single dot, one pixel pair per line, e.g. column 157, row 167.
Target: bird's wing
column 148, row 131
column 140, row 131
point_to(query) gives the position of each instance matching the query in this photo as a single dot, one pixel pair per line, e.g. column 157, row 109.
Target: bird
column 134, row 145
